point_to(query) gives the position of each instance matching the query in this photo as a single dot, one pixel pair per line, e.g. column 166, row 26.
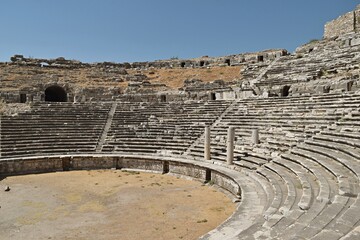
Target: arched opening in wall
column 227, row 61
column 55, row 94
column 285, row 91
column 202, row 63
column 182, row 64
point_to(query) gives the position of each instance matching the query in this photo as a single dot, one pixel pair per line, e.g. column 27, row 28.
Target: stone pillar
column 29, row 98
column 75, row 99
column 230, row 145
column 207, row 155
column 255, row 136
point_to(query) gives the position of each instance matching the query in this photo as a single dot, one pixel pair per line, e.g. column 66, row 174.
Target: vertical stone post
column 255, row 136
column 207, row 155
column 29, row 98
column 230, row 145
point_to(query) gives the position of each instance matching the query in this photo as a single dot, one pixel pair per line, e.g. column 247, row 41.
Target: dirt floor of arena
column 109, row 204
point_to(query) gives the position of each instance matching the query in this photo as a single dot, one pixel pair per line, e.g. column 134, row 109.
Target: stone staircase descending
column 218, row 120
column 261, row 75
column 164, row 129
column 106, row 128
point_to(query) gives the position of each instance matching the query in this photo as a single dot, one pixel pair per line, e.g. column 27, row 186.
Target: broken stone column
column 230, row 145
column 207, row 155
column 29, row 98
column 255, row 136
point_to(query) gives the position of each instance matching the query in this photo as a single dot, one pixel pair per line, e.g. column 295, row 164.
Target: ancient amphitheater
column 280, row 131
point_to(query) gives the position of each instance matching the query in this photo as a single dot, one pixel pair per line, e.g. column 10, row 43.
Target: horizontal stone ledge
column 206, row 171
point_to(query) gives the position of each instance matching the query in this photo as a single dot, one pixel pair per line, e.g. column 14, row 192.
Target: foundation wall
column 225, row 182
column 86, row 163
column 140, row 164
column 64, row 163
column 188, row 170
column 13, row 167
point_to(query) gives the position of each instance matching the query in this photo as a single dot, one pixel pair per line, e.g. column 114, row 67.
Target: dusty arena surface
column 109, row 204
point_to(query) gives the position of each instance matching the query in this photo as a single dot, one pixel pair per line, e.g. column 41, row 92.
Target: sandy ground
column 108, row 204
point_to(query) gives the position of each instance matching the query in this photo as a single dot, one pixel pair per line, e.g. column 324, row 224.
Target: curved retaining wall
column 197, row 170
column 229, row 179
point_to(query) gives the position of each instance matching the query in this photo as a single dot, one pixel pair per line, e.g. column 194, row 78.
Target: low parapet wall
column 198, row 170
column 222, row 176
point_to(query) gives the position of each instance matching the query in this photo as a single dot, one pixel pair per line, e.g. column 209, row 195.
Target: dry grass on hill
column 174, row 78
column 18, row 77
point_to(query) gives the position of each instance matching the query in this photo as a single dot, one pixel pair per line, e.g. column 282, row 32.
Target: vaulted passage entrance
column 55, row 94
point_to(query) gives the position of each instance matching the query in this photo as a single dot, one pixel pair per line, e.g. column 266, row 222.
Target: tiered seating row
column 282, row 123
column 312, row 185
column 56, row 128
column 160, row 128
column 328, row 60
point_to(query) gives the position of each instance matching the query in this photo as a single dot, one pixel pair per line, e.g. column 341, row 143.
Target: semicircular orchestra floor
column 109, row 204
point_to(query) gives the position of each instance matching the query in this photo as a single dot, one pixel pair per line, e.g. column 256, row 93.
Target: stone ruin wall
column 108, row 80
column 86, row 162
column 347, row 23
column 230, row 60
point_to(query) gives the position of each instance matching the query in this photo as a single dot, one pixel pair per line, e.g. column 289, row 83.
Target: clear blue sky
column 145, row 30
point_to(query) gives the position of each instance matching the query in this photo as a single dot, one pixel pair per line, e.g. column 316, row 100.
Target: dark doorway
column 285, row 91
column 166, row 168
column 208, row 175
column 260, row 58
column 55, row 94
column 212, row 96
column 349, row 86
column 163, row 98
column 227, row 61
column 202, row 63
column 182, row 64
column 66, row 164
column 22, row 97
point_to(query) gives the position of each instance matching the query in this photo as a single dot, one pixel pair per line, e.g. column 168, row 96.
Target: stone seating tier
column 304, row 171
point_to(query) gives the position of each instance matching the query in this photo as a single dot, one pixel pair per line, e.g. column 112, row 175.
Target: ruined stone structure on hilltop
column 28, row 79
column 327, row 65
column 284, row 139
column 347, row 23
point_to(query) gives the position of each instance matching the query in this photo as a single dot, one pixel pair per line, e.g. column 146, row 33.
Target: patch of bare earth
column 108, row 204
column 174, row 78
